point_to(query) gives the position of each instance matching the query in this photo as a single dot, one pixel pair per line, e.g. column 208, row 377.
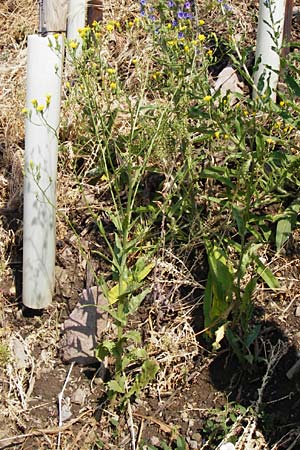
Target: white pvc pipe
column 270, row 11
column 44, row 77
column 76, row 20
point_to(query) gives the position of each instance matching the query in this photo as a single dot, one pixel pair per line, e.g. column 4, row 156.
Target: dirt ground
column 197, row 394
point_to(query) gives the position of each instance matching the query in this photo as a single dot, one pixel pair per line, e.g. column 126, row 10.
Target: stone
column 228, row 82
column 297, row 313
column 19, row 353
column 83, row 328
column 78, row 396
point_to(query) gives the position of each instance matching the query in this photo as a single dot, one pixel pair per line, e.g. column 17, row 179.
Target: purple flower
column 174, row 23
column 180, row 35
column 187, row 5
column 171, row 4
column 180, row 15
column 227, row 7
column 143, row 2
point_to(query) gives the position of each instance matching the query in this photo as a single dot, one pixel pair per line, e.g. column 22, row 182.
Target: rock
column 19, row 354
column 194, row 445
column 197, row 437
column 66, row 412
column 227, row 446
column 228, row 81
column 154, row 441
column 78, row 396
column 297, row 313
column 83, row 328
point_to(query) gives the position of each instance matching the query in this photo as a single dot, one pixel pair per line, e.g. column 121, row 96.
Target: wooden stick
column 95, row 11
column 287, row 27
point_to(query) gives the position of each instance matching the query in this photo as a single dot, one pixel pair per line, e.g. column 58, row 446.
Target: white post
column 76, row 20
column 268, row 45
column 44, row 77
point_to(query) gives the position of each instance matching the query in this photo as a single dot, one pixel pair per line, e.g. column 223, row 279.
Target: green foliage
column 222, row 170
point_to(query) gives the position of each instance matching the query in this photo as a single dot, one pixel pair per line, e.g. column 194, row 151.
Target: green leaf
column 292, row 83
column 114, row 386
column 134, row 336
column 266, row 274
column 286, row 224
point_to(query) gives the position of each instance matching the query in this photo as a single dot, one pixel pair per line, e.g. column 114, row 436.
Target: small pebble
column 297, row 313
column 194, row 445
column 154, row 440
column 197, row 437
column 78, row 396
column 227, row 446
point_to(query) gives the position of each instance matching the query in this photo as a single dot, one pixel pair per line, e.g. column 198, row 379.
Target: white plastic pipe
column 270, row 22
column 76, row 20
column 44, row 77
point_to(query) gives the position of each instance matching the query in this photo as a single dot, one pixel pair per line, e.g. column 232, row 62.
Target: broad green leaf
column 113, row 385
column 292, row 83
column 133, row 335
column 141, row 273
column 286, row 224
column 219, row 174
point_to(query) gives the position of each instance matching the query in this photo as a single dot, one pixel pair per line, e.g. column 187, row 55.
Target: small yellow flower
column 68, row 85
column 136, row 20
column 130, row 24
column 110, row 27
column 95, row 23
column 186, row 48
column 34, row 102
column 56, row 36
column 278, row 124
column 209, row 52
column 24, row 110
column 207, row 98
column 111, row 71
column 40, row 108
column 169, row 25
column 113, row 85
column 171, row 43
column 134, row 61
column 245, row 112
column 282, row 103
column 73, row 44
column 182, row 28
column 201, row 22
column 193, row 42
column 226, row 136
column 104, row 178
column 269, row 140
column 201, row 37
column 48, row 99
column 217, row 134
column 98, row 35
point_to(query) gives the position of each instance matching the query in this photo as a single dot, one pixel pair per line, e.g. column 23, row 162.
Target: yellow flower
column 270, row 140
column 201, row 37
column 171, row 43
column 134, row 61
column 186, row 48
column 24, row 110
column 113, row 85
column 207, row 98
column 201, row 22
column 111, row 71
column 245, row 112
column 98, row 35
column 217, row 134
column 169, row 25
column 40, row 108
column 34, row 102
column 136, row 19
column 282, row 103
column 73, row 44
column 48, row 99
column 155, row 75
column 130, row 24
column 56, row 36
column 109, row 27
column 226, row 136
column 182, row 28
column 193, row 42
column 82, row 32
column 209, row 52
column 95, row 23
column 68, row 85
